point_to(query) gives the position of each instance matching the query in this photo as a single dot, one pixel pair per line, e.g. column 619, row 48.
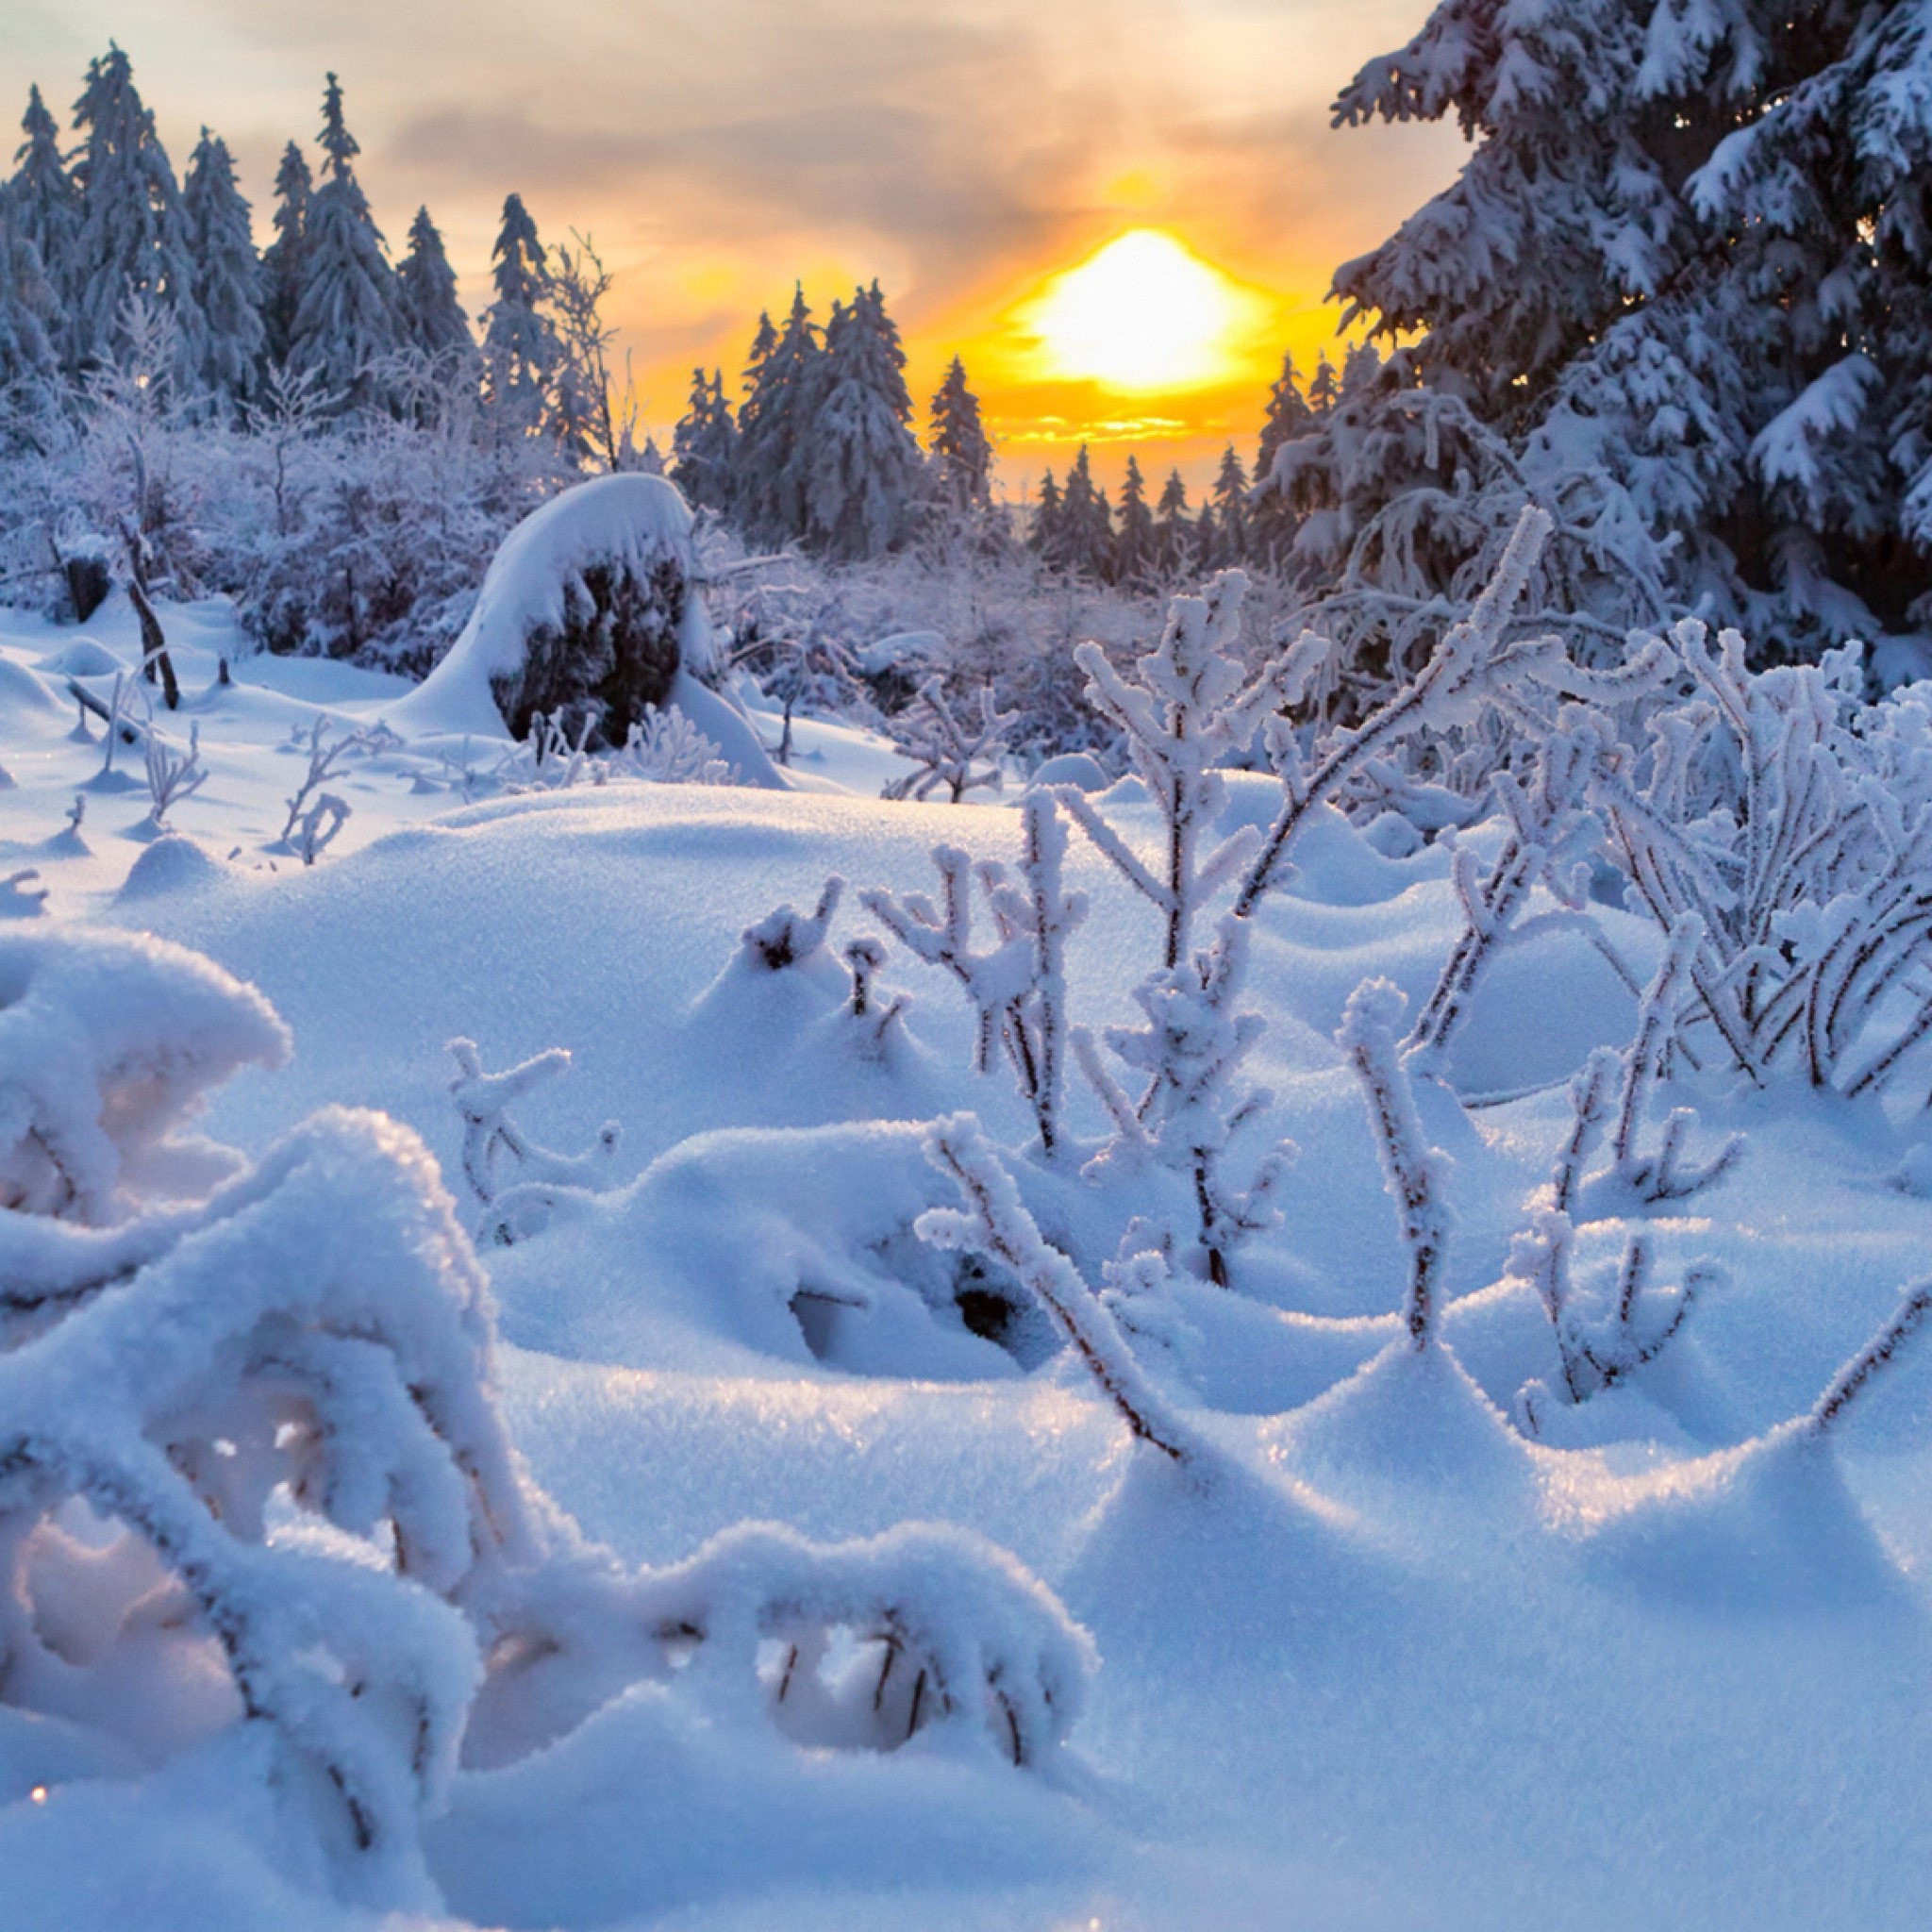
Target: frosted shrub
column 1795, row 822
column 251, row 1468
column 951, row 754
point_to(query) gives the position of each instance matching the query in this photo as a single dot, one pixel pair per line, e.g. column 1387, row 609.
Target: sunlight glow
column 1143, row 314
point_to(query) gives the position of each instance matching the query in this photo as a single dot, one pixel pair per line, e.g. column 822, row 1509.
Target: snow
column 1396, row 1664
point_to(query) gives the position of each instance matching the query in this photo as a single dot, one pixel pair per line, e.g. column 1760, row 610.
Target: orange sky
column 962, row 151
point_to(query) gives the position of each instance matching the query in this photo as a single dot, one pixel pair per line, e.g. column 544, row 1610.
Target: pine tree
column 767, row 485
column 959, row 443
column 26, row 304
column 1046, row 535
column 231, row 274
column 433, row 322
column 1134, row 546
column 522, row 354
column 1086, row 524
column 346, row 321
column 704, row 444
column 133, row 238
column 863, row 466
column 1271, row 522
column 1231, row 511
column 46, row 206
column 1324, row 389
column 1174, row 530
column 284, row 262
column 1687, row 262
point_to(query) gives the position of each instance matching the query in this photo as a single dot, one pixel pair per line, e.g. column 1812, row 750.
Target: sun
column 1143, row 314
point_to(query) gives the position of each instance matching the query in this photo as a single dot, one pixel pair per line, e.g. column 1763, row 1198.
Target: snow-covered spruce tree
column 1134, row 541
column 46, row 204
column 1173, row 531
column 133, row 238
column 1044, row 528
column 432, row 319
column 346, row 322
column 1677, row 295
column 1231, row 511
column 285, row 261
column 769, row 476
column 1085, row 525
column 230, row 278
column 959, row 444
column 704, row 444
column 862, row 467
column 522, row 354
column 28, row 314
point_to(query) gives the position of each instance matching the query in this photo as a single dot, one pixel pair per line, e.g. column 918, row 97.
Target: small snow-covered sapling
column 1017, row 986
column 173, row 775
column 316, row 830
column 1412, row 1170
column 518, row 1182
column 666, row 747
column 324, row 757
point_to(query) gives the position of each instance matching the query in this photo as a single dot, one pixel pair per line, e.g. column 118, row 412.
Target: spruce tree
column 346, row 322
column 767, row 485
column 522, row 354
column 1231, row 511
column 863, row 466
column 433, row 320
column 133, row 238
column 704, row 444
column 230, row 274
column 1174, row 530
column 47, row 208
column 1134, row 544
column 1324, row 387
column 1086, row 523
column 1044, row 535
column 959, row 443
column 1686, row 267
column 284, row 262
column 1271, row 522
column 27, row 306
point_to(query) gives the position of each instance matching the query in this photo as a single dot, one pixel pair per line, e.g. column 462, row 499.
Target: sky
column 964, row 153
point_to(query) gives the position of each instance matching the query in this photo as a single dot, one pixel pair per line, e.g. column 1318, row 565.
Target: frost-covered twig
column 516, row 1180
column 323, row 759
column 995, row 1223
column 1851, row 1381
column 317, row 828
column 1412, row 1168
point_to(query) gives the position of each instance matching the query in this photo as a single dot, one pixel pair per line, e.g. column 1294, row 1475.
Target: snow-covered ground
column 1391, row 1664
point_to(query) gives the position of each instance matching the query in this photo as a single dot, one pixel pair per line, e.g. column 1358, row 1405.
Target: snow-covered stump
column 590, row 609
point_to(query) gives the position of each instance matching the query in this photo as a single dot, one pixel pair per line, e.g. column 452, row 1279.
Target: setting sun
column 1145, row 313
